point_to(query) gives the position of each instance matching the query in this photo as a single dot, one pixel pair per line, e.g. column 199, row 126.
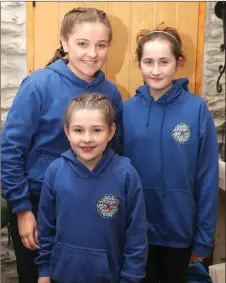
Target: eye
column 78, row 130
column 148, row 62
column 97, row 130
column 82, row 44
column 164, row 62
column 102, row 45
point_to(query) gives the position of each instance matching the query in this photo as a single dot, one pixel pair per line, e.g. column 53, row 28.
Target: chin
column 160, row 87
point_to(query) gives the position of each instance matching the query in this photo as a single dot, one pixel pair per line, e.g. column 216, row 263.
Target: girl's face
column 158, row 65
column 89, row 134
column 87, row 49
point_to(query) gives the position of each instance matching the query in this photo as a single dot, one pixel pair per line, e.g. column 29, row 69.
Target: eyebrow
column 159, row 58
column 91, row 126
column 85, row 39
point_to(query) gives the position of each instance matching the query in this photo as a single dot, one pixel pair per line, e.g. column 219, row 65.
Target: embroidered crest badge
column 181, row 133
column 108, row 206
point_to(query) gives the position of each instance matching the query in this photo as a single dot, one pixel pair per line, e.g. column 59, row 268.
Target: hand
column 195, row 257
column 44, row 280
column 27, row 227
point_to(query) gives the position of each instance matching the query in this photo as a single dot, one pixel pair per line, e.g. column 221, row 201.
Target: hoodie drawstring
column 149, row 112
column 161, row 142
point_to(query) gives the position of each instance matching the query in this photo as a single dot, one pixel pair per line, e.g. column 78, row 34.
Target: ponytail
column 59, row 54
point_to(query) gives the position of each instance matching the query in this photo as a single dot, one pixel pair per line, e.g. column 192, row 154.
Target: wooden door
column 127, row 18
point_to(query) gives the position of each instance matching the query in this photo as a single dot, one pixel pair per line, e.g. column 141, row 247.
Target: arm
column 206, row 190
column 46, row 228
column 136, row 243
column 21, row 125
column 117, row 139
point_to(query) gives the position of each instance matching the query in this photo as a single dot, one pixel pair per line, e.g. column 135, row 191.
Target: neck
column 157, row 93
column 79, row 75
column 90, row 164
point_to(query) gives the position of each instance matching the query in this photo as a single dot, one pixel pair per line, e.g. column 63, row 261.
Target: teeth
column 89, row 62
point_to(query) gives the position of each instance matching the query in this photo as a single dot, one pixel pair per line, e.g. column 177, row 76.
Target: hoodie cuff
column 21, row 206
column 43, row 270
column 201, row 250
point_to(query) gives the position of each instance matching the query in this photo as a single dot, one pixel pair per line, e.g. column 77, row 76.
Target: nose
column 92, row 52
column 156, row 70
column 87, row 137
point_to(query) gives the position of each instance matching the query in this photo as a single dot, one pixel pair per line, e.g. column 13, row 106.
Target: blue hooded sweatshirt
column 92, row 224
column 172, row 143
column 33, row 134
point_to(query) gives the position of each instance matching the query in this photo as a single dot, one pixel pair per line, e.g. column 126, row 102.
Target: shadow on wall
column 190, row 55
column 118, row 48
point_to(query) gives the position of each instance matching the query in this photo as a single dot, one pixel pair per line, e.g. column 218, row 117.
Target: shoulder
column 194, row 98
column 199, row 107
column 197, row 103
column 129, row 102
column 110, row 86
column 131, row 178
column 125, row 167
column 41, row 76
column 54, row 168
column 134, row 100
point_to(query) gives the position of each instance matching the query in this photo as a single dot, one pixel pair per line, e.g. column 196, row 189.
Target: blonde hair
column 90, row 101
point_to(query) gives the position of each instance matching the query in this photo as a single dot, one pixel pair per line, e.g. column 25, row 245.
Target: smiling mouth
column 88, row 62
column 156, row 79
column 87, row 148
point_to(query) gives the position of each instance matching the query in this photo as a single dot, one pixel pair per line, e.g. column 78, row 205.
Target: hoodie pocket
column 72, row 264
column 38, row 170
column 154, row 201
column 179, row 215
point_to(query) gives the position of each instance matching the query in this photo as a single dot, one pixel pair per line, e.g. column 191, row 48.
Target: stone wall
column 213, row 58
column 13, row 70
column 13, row 51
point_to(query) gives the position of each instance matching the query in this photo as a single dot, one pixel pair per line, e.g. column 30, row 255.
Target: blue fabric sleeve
column 116, row 143
column 206, row 189
column 46, row 227
column 136, row 242
column 21, row 125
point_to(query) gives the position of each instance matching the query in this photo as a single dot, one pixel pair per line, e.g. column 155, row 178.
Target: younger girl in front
column 91, row 219
column 170, row 137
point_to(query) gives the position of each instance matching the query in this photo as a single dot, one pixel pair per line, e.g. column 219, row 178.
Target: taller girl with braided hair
column 33, row 134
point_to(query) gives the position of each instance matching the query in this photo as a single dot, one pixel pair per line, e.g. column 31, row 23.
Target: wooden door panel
column 127, row 19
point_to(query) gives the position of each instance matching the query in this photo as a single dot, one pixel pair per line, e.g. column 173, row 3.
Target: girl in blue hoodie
column 33, row 134
column 91, row 219
column 170, row 137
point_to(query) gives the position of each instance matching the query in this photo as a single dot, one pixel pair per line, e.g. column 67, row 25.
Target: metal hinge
column 33, row 3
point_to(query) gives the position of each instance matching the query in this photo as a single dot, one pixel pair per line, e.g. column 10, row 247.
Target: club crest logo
column 181, row 133
column 108, row 206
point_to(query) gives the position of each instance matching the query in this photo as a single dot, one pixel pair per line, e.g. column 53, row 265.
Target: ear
column 64, row 43
column 112, row 131
column 180, row 62
column 66, row 131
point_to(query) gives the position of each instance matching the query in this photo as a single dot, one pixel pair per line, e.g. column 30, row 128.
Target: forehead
column 95, row 31
column 87, row 117
column 157, row 49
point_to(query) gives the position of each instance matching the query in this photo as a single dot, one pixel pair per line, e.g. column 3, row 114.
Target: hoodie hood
column 105, row 166
column 177, row 88
column 60, row 67
column 174, row 92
